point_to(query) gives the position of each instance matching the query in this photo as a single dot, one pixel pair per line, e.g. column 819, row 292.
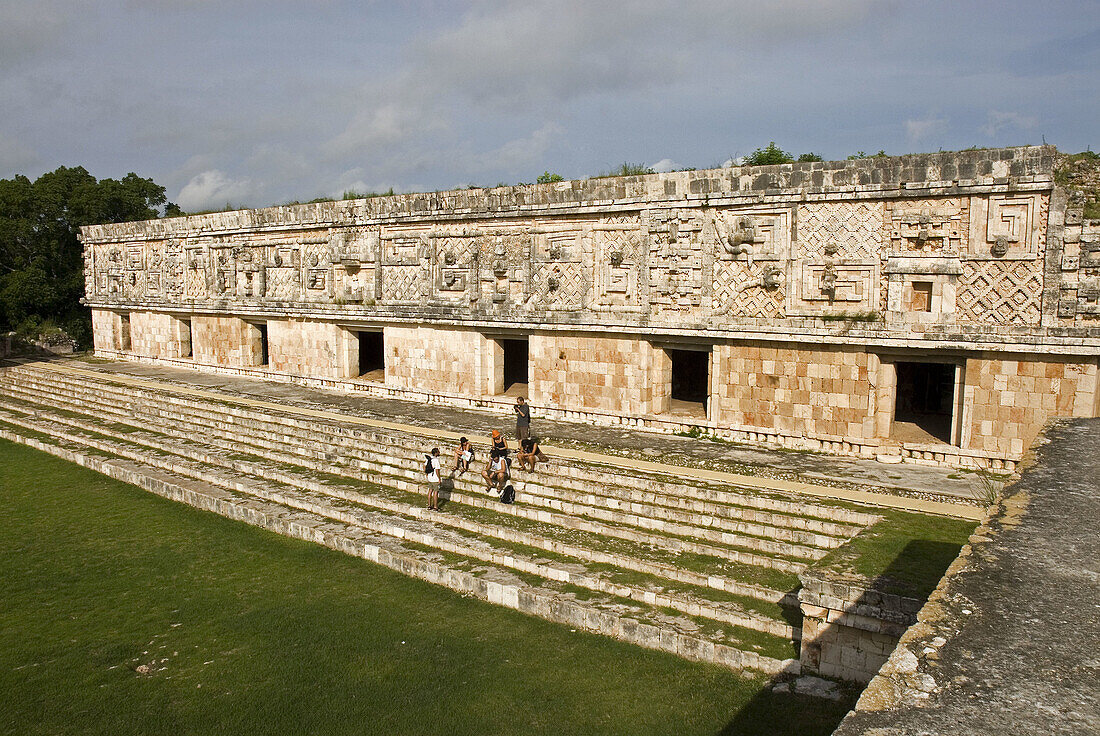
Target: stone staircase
column 698, row 569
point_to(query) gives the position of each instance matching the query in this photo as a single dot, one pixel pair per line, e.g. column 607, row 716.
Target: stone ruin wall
column 807, row 282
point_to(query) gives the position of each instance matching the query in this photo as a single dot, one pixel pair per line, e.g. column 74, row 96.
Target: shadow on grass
column 914, row 574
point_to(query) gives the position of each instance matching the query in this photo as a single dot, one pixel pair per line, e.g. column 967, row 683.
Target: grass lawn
column 124, row 613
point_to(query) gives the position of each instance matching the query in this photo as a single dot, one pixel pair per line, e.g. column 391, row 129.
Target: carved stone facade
column 823, row 267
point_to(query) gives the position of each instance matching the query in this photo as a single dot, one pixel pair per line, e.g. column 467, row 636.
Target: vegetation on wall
column 41, row 262
column 1079, row 173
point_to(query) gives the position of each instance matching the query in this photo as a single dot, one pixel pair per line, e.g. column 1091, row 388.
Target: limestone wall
column 449, row 361
column 159, row 335
column 107, row 331
column 849, row 629
column 824, row 393
column 918, row 246
column 600, row 373
column 808, row 285
column 308, row 348
column 229, row 341
column 1008, row 401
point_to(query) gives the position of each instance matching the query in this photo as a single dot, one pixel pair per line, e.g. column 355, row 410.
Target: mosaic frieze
column 1007, row 226
column 559, row 277
column 677, row 264
column 620, row 249
column 673, row 263
column 853, row 229
column 936, row 227
column 1000, row 292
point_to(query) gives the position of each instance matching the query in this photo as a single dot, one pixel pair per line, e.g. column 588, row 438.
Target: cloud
column 212, row 189
column 918, row 130
column 522, row 64
column 664, row 166
column 30, row 29
column 15, row 157
column 998, row 121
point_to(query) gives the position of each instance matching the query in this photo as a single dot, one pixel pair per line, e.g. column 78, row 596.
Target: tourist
column 496, row 472
column 499, row 443
column 432, row 468
column 529, row 452
column 464, row 455
column 523, row 419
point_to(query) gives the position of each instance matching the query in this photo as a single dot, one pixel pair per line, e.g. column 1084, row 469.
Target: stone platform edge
column 520, row 598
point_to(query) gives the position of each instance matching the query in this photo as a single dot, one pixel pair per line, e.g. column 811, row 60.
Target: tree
column 770, row 154
column 811, row 156
column 547, row 178
column 41, row 260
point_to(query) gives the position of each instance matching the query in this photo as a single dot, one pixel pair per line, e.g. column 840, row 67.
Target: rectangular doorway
column 262, row 355
column 924, row 402
column 372, row 355
column 124, row 335
column 517, row 366
column 690, row 389
column 186, row 350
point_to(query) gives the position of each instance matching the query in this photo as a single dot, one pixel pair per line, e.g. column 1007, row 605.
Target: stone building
column 930, row 308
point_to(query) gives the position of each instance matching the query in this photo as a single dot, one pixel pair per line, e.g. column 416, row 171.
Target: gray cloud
column 264, row 102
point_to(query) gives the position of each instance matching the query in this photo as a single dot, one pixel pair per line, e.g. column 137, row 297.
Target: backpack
column 508, row 495
column 428, row 464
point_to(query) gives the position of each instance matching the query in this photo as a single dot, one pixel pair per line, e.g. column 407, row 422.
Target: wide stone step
column 609, row 496
column 741, row 549
column 690, row 603
column 614, row 617
column 411, row 524
column 773, row 540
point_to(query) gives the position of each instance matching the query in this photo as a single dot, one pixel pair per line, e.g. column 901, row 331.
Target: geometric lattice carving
column 558, row 286
column 739, row 290
column 1000, row 292
column 401, row 283
column 854, row 228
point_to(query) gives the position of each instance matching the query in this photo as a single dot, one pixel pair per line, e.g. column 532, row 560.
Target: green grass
column 905, row 553
column 248, row 632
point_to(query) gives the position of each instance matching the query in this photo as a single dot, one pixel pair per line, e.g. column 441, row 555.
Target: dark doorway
column 372, row 356
column 186, row 351
column 264, row 357
column 516, row 364
column 690, row 381
column 924, row 401
column 124, row 332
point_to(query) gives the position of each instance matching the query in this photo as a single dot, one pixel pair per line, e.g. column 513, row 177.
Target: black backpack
column 428, row 464
column 508, row 495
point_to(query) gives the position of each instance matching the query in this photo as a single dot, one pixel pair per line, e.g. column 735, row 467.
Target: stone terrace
column 702, row 569
column 1007, row 644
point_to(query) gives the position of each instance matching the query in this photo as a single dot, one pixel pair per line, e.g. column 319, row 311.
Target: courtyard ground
column 124, row 613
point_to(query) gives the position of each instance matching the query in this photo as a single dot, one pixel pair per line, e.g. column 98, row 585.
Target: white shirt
column 437, row 463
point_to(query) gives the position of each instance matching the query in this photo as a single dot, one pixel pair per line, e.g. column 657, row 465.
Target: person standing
column 523, row 419
column 433, row 466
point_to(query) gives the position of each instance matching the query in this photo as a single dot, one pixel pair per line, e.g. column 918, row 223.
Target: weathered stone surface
column 806, row 285
column 1006, row 645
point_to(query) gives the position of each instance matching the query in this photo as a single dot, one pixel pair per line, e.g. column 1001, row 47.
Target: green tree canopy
column 41, row 260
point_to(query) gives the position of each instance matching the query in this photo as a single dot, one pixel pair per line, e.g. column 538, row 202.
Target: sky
column 253, row 103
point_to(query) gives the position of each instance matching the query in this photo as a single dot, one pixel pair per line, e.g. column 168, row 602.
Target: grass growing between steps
column 905, row 553
column 125, row 613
